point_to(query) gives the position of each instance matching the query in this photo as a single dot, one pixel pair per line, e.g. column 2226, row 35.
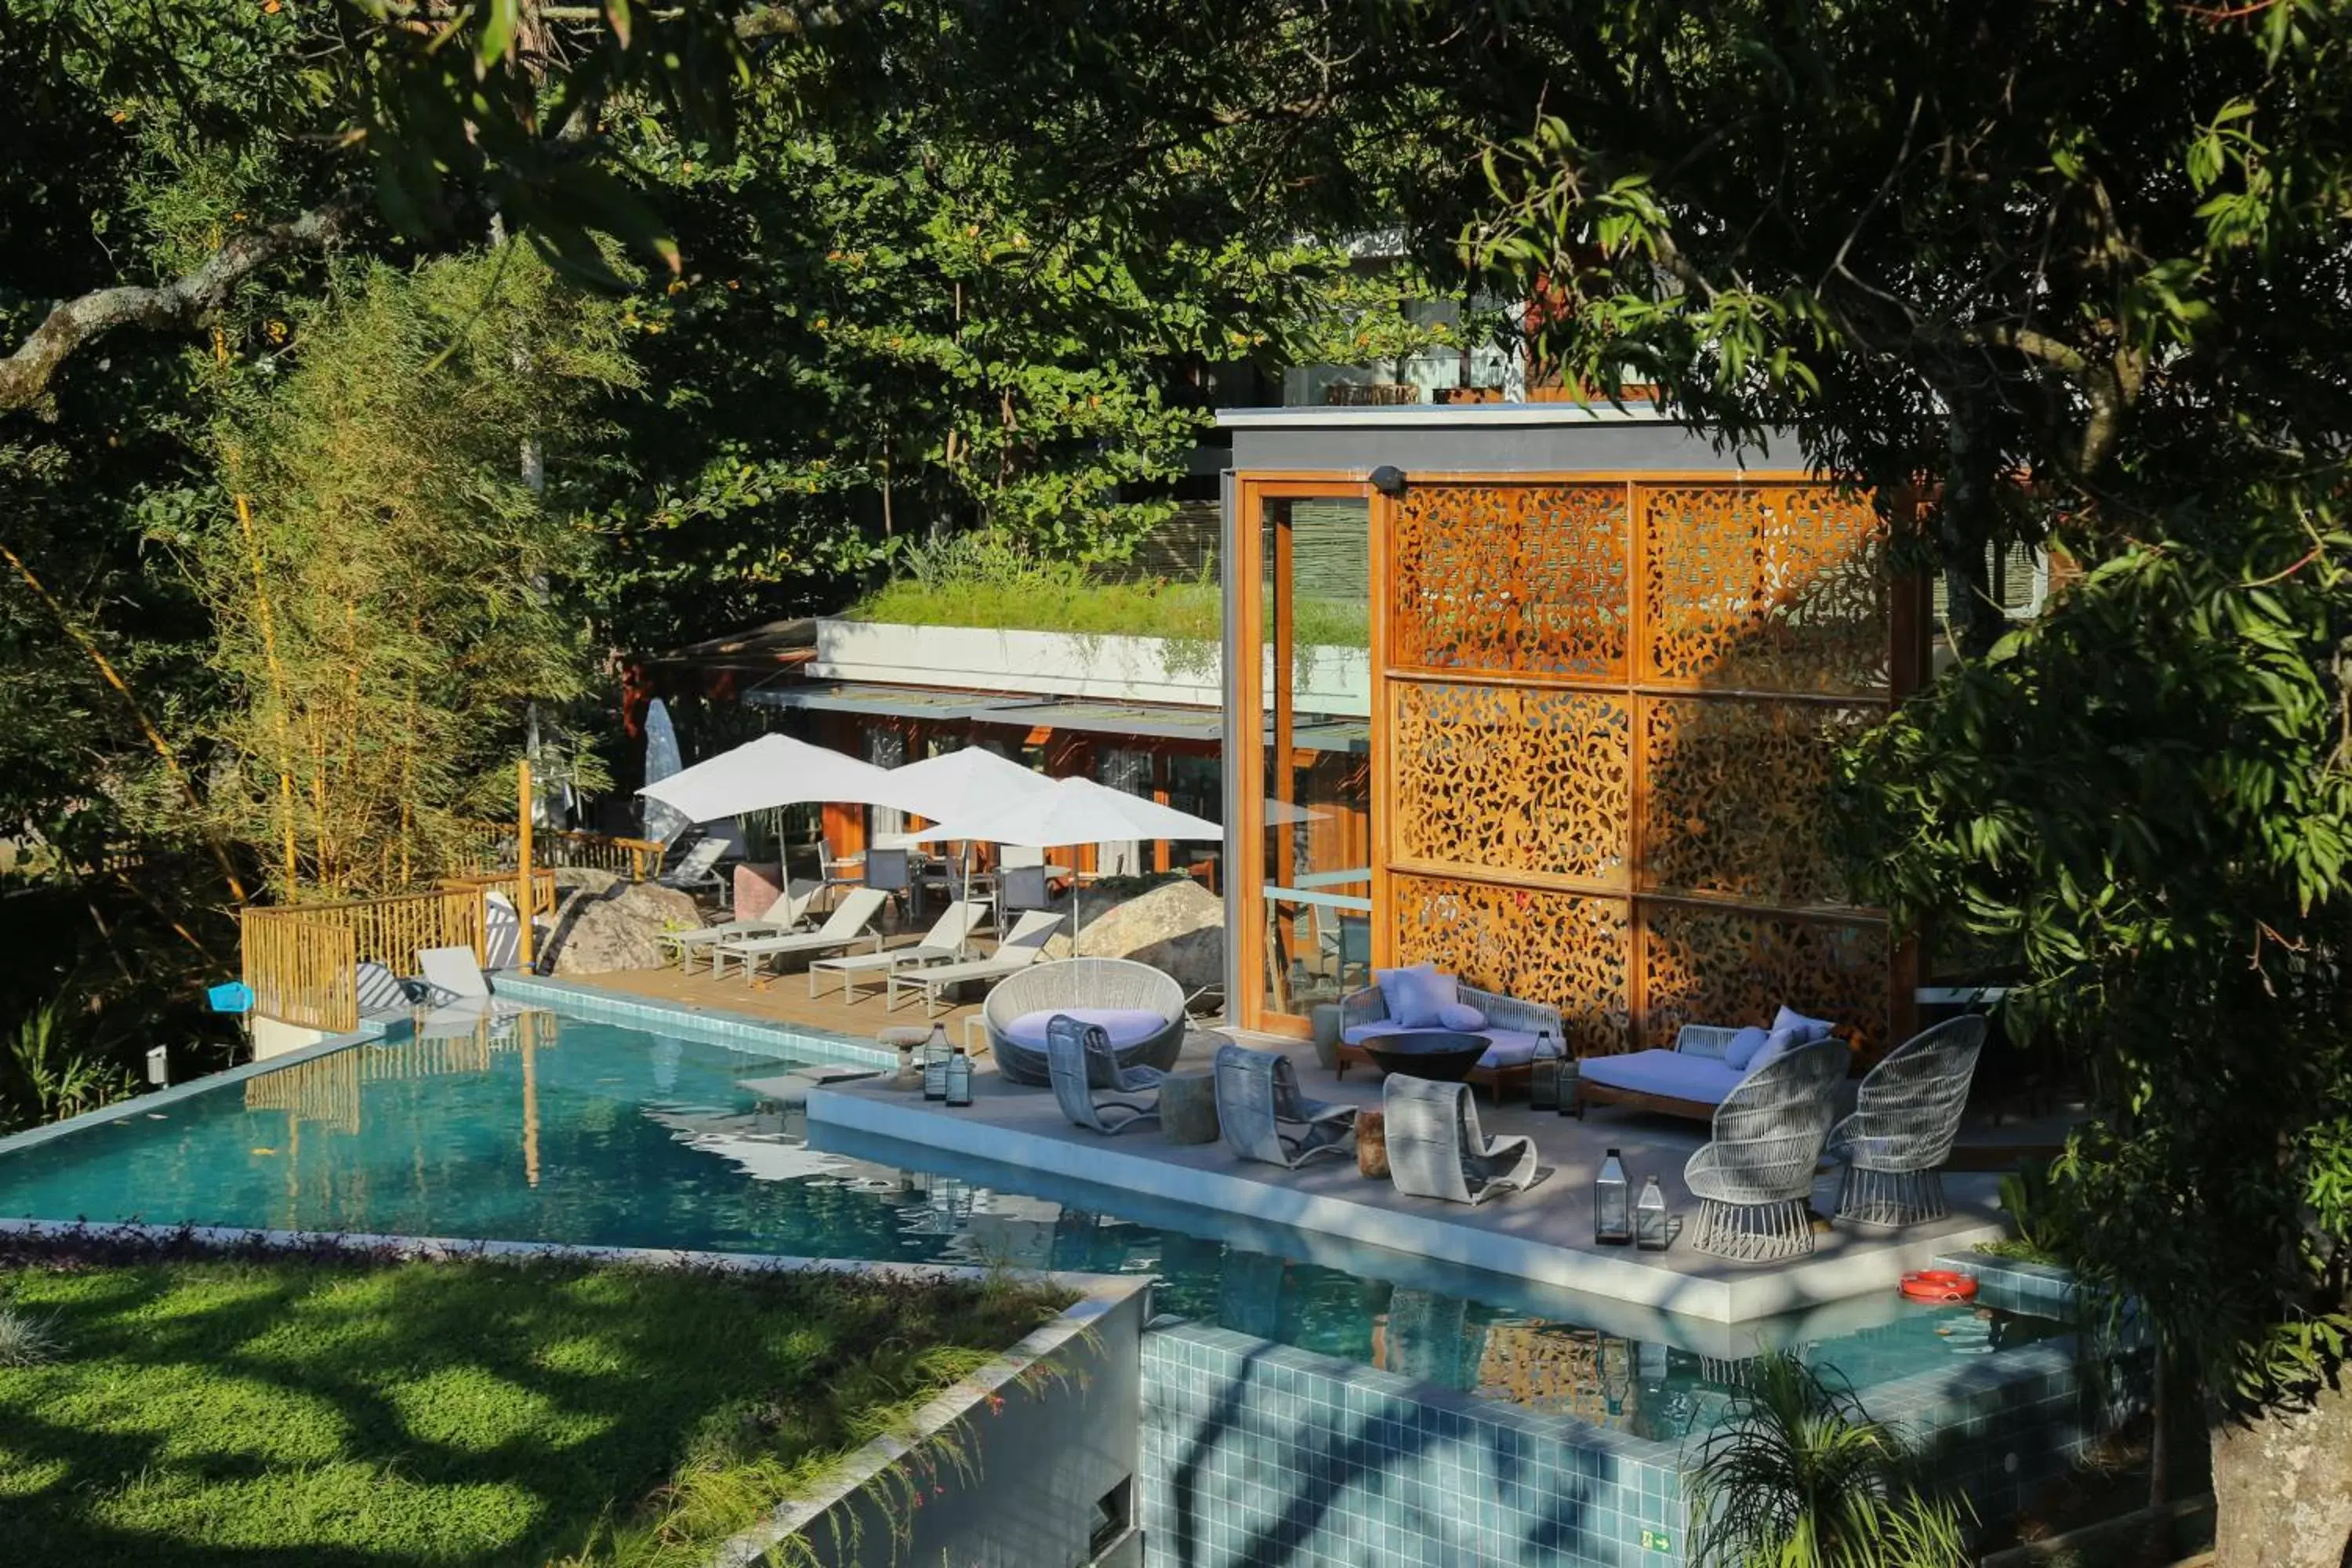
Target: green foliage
column 433, row 1413
column 52, row 1070
column 26, row 1340
column 2145, row 795
column 388, row 612
column 2038, row 1211
column 986, row 580
column 1797, row 1475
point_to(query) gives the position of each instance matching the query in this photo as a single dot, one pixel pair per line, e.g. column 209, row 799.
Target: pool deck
column 1544, row 1235
column 779, row 998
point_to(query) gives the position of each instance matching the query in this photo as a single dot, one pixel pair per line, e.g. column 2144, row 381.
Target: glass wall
column 1313, row 880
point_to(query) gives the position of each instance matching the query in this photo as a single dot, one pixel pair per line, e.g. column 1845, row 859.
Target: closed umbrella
column 771, row 772
column 1076, row 811
column 662, row 823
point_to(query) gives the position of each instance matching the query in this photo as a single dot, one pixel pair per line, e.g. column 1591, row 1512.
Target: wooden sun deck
column 781, row 997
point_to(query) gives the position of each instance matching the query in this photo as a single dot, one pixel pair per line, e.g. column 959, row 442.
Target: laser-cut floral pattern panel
column 1529, row 579
column 1512, row 779
column 1719, row 966
column 1565, row 949
column 1735, row 797
column 1770, row 588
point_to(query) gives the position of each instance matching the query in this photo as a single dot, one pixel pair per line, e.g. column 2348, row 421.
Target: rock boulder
column 602, row 924
column 1178, row 928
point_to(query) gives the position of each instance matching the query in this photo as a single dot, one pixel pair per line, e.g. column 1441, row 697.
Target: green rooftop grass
column 327, row 1413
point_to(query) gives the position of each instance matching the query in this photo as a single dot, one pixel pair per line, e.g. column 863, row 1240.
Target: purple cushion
column 1740, row 1053
column 1461, row 1016
column 1674, row 1075
column 1777, row 1043
column 1385, row 980
column 1511, row 1048
column 1420, row 997
column 1806, row 1030
column 1125, row 1026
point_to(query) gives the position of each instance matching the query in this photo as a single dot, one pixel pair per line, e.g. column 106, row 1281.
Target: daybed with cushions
column 1707, row 1064
column 1430, row 1001
column 1141, row 1009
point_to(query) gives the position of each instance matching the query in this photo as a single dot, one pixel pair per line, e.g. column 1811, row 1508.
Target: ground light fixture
column 1612, row 1204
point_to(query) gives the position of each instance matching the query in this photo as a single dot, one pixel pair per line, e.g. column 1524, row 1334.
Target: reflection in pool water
column 539, row 1128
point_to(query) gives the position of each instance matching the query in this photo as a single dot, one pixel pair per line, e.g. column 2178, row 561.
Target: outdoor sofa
column 1691, row 1080
column 1511, row 1026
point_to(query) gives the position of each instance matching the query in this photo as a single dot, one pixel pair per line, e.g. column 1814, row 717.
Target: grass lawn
column 330, row 1412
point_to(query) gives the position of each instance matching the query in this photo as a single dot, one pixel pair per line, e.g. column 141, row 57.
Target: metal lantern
column 1612, row 1204
column 1649, row 1217
column 1543, row 1075
column 935, row 1063
column 959, row 1079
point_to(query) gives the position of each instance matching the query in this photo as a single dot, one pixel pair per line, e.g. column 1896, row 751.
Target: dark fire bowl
column 1442, row 1055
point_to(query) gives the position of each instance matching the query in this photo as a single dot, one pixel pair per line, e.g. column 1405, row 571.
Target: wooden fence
column 301, row 960
column 490, row 846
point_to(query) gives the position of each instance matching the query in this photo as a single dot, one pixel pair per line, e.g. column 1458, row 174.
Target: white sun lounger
column 1022, row 947
column 454, row 977
column 944, row 942
column 846, row 925
column 787, row 914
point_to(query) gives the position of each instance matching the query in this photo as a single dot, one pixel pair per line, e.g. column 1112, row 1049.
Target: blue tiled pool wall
column 1254, row 1452
column 2013, row 1285
column 739, row 1031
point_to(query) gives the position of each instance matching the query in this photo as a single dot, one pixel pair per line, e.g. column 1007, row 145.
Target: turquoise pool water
column 561, row 1130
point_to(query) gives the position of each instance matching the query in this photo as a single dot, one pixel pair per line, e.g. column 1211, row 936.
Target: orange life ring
column 1940, row 1285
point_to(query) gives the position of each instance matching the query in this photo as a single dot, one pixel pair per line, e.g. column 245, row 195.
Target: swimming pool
column 562, row 1130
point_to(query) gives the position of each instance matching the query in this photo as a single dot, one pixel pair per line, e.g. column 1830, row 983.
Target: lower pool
column 562, row 1130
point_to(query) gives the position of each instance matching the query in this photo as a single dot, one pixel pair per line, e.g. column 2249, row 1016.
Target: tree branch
column 185, row 302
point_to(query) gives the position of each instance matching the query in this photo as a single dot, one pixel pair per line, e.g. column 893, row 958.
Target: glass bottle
column 935, row 1063
column 1543, row 1075
column 1612, row 1211
column 1649, row 1217
column 959, row 1076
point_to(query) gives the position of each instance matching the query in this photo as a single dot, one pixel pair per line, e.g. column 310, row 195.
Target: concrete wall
column 1019, row 1458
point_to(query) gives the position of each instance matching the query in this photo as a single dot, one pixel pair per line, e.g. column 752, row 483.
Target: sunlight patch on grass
column 431, row 1414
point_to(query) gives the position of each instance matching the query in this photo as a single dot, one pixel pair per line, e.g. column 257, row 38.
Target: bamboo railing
column 490, row 846
column 301, row 960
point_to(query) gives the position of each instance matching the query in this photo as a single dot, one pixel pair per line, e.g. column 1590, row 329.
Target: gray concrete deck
column 1544, row 1236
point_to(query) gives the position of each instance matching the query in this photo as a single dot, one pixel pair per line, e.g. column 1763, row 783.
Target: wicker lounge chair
column 1905, row 1116
column 1140, row 1010
column 788, row 913
column 1511, row 1029
column 1023, row 945
column 1263, row 1117
column 1753, row 1180
column 943, row 943
column 1078, row 1059
column 1437, row 1151
column 846, row 925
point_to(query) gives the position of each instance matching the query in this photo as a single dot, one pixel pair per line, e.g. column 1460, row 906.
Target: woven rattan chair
column 1263, row 1117
column 1905, row 1116
column 1092, row 983
column 1753, row 1179
column 1436, row 1149
column 1088, row 1080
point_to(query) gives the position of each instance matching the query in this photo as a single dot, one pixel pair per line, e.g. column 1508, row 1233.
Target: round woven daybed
column 1140, row 1009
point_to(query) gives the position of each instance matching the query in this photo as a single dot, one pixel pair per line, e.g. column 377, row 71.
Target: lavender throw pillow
column 1461, row 1017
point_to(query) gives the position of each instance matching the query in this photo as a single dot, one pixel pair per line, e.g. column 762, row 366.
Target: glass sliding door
column 1309, row 859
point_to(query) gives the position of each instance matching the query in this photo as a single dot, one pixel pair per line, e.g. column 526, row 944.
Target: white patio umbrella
column 969, row 782
column 1076, row 811
column 770, row 772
